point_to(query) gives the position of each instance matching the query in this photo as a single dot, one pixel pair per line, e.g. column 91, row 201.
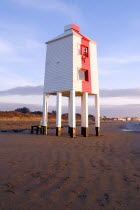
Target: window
column 83, row 75
column 84, row 51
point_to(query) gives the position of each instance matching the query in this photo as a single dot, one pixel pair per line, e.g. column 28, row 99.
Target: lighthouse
column 71, row 71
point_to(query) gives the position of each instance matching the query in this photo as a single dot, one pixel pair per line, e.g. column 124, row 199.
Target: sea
column 134, row 127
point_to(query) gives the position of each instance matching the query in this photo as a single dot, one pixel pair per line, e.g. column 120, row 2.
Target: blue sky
column 25, row 25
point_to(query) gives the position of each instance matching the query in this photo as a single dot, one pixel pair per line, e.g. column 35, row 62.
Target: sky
column 25, row 26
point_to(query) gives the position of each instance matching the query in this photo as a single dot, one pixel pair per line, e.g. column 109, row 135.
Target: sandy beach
column 49, row 172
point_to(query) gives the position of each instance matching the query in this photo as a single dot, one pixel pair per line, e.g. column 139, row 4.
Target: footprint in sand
column 10, row 188
column 36, row 175
column 125, row 178
column 62, row 182
column 138, row 188
column 100, row 202
column 27, row 190
column 107, row 197
column 82, row 196
column 39, row 175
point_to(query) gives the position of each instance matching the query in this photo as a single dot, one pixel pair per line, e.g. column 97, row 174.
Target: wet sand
column 49, row 172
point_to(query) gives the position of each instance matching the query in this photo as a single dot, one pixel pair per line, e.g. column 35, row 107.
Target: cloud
column 111, row 101
column 5, row 47
column 8, row 52
column 26, row 90
column 38, row 90
column 120, row 93
column 68, row 9
column 9, row 79
column 13, row 51
column 22, row 55
column 120, row 60
column 104, row 72
column 20, row 45
column 22, row 60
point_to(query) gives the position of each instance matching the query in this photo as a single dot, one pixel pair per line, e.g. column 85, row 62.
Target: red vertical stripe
column 86, row 85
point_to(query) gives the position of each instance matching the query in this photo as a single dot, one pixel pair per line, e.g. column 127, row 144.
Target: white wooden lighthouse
column 71, row 71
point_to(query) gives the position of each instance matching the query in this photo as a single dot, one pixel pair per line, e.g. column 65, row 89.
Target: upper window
column 84, row 50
